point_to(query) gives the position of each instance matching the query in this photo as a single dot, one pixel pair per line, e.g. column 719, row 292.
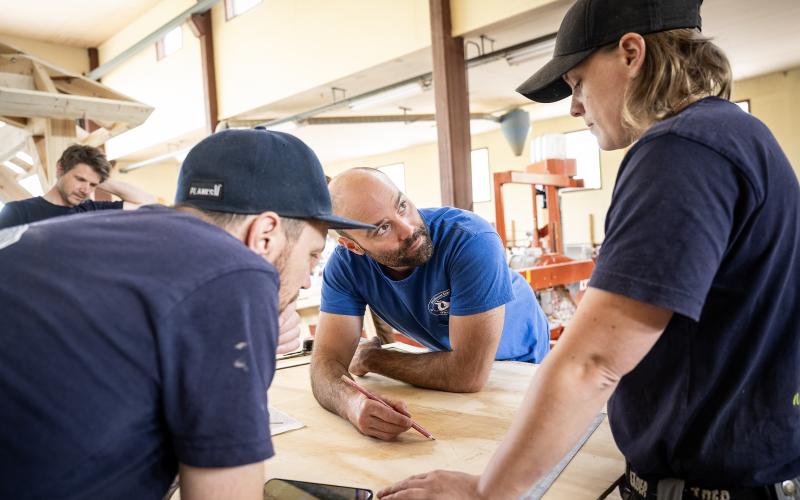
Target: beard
column 286, row 295
column 404, row 256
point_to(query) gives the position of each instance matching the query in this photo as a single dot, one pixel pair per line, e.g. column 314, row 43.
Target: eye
column 382, row 230
column 403, row 206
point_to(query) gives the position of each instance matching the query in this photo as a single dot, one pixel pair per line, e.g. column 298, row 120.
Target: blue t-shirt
column 122, row 358
column 705, row 221
column 467, row 274
column 35, row 209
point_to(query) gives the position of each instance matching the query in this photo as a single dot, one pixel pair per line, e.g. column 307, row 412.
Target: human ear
column 264, row 235
column 633, row 49
column 350, row 245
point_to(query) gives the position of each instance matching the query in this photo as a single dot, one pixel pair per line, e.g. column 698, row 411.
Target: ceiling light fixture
column 22, row 155
column 388, row 95
column 14, row 168
column 531, row 52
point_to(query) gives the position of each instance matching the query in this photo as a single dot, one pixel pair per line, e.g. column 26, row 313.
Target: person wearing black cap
column 691, row 323
column 161, row 360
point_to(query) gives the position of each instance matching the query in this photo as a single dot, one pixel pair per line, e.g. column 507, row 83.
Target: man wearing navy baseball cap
column 162, row 361
column 691, row 323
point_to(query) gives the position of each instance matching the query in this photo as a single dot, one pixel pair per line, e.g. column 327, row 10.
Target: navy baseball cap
column 591, row 24
column 258, row 170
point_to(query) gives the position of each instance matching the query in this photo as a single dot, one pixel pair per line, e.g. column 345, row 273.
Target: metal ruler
column 541, row 487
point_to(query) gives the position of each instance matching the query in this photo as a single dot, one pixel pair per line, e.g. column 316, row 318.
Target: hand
column 437, row 484
column 288, row 329
column 376, row 420
column 358, row 365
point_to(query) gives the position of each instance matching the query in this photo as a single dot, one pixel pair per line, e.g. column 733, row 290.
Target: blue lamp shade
column 515, row 126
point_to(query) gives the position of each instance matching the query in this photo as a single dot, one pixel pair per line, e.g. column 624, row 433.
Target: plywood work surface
column 467, row 427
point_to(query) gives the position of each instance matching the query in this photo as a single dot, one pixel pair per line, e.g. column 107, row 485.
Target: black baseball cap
column 258, row 170
column 591, row 24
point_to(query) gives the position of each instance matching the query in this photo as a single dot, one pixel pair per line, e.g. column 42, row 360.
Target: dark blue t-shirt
column 705, row 221
column 467, row 274
column 35, row 209
column 120, row 360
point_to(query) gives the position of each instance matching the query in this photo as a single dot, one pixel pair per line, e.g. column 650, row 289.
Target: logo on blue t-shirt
column 439, row 305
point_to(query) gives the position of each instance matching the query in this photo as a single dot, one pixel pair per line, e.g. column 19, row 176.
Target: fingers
column 399, row 406
column 288, row 346
column 407, row 494
column 379, row 421
column 402, row 489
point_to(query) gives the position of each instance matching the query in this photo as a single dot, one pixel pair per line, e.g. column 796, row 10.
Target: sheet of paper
column 280, row 422
column 403, row 347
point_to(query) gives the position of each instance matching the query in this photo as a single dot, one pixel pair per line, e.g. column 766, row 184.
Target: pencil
column 373, row 397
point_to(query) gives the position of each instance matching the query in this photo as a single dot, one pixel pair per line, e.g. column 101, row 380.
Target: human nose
column 576, row 107
column 405, row 230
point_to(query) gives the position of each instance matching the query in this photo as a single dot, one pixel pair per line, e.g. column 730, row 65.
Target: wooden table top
column 467, row 427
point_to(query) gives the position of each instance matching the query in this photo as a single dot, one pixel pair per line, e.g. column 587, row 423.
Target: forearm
column 562, row 400
column 444, row 371
column 127, row 192
column 328, row 388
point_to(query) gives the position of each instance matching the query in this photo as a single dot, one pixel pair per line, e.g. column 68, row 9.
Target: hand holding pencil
column 381, row 433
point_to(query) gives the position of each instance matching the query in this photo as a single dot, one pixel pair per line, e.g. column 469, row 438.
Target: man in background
column 80, row 170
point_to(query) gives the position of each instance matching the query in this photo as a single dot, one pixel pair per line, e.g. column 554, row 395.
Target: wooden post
column 201, row 27
column 92, row 127
column 452, row 108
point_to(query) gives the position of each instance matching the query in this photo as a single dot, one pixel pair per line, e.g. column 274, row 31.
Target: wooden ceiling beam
column 10, row 189
column 16, row 121
column 32, row 103
column 42, row 80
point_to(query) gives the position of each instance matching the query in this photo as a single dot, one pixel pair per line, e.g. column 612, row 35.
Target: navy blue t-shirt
column 705, row 221
column 35, row 209
column 119, row 360
column 467, row 274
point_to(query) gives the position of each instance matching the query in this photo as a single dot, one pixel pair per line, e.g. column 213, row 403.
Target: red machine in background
column 552, row 269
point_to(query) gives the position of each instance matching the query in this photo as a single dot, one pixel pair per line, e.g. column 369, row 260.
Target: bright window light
column 235, row 8
column 397, row 173
column 745, row 105
column 14, row 168
column 2, row 124
column 481, row 177
column 32, row 185
column 390, row 95
column 22, row 155
column 582, row 146
column 169, row 43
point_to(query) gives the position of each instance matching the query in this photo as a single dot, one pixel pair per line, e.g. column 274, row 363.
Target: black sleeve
column 10, row 216
column 668, row 225
column 91, row 205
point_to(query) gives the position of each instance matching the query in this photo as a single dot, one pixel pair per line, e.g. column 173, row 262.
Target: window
column 169, row 43
column 32, row 185
column 235, row 8
column 481, row 176
column 397, row 173
column 583, row 147
column 745, row 105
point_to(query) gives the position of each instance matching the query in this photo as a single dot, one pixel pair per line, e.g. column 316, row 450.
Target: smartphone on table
column 289, row 489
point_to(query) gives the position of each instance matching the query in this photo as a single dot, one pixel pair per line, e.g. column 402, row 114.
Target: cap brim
column 335, row 222
column 547, row 84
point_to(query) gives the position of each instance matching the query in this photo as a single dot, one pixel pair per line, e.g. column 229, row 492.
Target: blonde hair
column 680, row 67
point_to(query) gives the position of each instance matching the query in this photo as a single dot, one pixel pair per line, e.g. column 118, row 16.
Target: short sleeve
column 9, row 216
column 480, row 278
column 217, row 350
column 91, row 206
column 668, row 225
column 339, row 294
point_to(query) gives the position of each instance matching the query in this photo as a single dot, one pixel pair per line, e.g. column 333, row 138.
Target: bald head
column 358, row 188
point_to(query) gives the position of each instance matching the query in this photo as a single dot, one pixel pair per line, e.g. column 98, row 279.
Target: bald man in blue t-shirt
column 437, row 275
